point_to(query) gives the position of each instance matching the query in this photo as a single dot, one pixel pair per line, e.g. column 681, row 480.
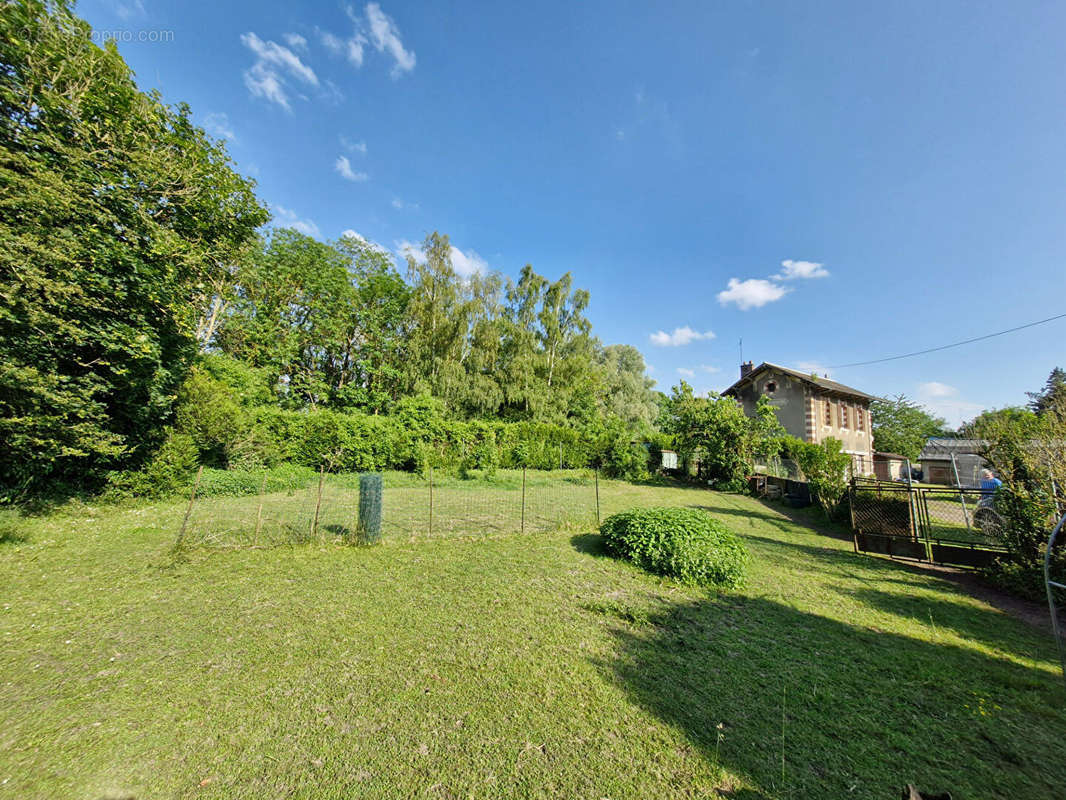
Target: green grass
column 480, row 665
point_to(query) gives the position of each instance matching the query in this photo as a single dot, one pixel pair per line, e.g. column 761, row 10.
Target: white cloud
column 936, row 389
column 287, row 218
column 354, row 51
column 386, row 37
column 405, row 248
column 800, row 269
column 274, row 63
column 295, row 41
column 709, row 369
column 400, row 205
column 331, row 42
column 128, row 10
column 752, row 293
column 352, row 146
column 265, row 83
column 685, row 372
column 943, row 400
column 219, row 125
column 467, row 262
column 373, row 28
column 353, row 234
column 464, row 262
column 344, row 169
column 278, row 56
column 680, row 336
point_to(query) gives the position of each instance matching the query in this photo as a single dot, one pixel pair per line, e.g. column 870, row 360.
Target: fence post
column 597, row 473
column 188, row 511
column 259, row 512
column 318, row 502
column 851, row 504
column 431, row 500
column 523, row 529
column 962, row 496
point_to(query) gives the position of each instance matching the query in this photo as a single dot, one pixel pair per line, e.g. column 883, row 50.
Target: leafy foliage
column 825, row 466
column 684, row 543
column 716, row 431
column 117, row 213
column 167, row 473
column 901, row 426
column 1027, row 450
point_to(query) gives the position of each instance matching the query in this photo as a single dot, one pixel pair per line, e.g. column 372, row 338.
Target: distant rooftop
column 945, row 447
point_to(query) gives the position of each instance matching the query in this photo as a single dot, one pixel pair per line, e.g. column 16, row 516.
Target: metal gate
column 942, row 525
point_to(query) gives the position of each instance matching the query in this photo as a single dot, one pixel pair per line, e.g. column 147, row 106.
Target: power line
column 948, row 346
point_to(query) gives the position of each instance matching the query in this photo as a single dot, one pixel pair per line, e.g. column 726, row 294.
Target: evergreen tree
column 1053, row 393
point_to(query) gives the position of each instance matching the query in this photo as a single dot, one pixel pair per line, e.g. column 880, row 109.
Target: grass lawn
column 502, row 665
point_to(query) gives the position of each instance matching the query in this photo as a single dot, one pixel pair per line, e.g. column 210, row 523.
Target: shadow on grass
column 992, row 628
column 11, row 529
column 784, row 518
column 853, row 712
column 591, row 544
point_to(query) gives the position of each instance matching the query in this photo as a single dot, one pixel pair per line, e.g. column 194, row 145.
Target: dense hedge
column 684, row 543
column 233, row 430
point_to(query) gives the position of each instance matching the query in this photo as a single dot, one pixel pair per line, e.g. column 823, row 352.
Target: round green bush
column 684, row 543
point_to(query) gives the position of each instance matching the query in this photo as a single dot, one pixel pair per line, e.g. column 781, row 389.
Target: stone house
column 811, row 408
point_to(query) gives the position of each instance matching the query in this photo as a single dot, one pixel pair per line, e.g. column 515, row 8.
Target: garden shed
column 890, row 466
column 938, row 466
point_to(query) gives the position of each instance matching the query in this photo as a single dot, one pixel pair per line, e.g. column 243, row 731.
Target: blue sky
column 831, row 182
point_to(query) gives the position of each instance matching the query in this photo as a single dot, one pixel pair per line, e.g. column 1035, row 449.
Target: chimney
column 745, row 369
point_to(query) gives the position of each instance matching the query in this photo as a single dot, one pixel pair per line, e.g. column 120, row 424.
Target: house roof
column 889, row 456
column 822, row 383
column 939, row 447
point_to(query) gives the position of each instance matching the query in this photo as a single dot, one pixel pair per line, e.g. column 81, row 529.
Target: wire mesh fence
column 941, row 524
column 411, row 507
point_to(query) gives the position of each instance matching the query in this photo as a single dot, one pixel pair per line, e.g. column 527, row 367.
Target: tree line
column 131, row 249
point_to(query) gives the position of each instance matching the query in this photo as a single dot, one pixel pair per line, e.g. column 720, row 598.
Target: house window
column 828, row 412
column 860, row 414
column 843, row 416
column 771, row 387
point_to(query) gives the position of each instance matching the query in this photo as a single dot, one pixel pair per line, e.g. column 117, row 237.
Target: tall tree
column 567, row 350
column 368, row 360
column 481, row 394
column 901, row 426
column 627, row 390
column 520, row 351
column 116, row 213
column 289, row 315
column 438, row 317
column 1010, row 415
column 1053, row 393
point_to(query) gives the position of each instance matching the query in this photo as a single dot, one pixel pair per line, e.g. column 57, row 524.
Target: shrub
column 167, row 473
column 237, row 483
column 683, row 543
column 825, row 466
column 618, row 455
